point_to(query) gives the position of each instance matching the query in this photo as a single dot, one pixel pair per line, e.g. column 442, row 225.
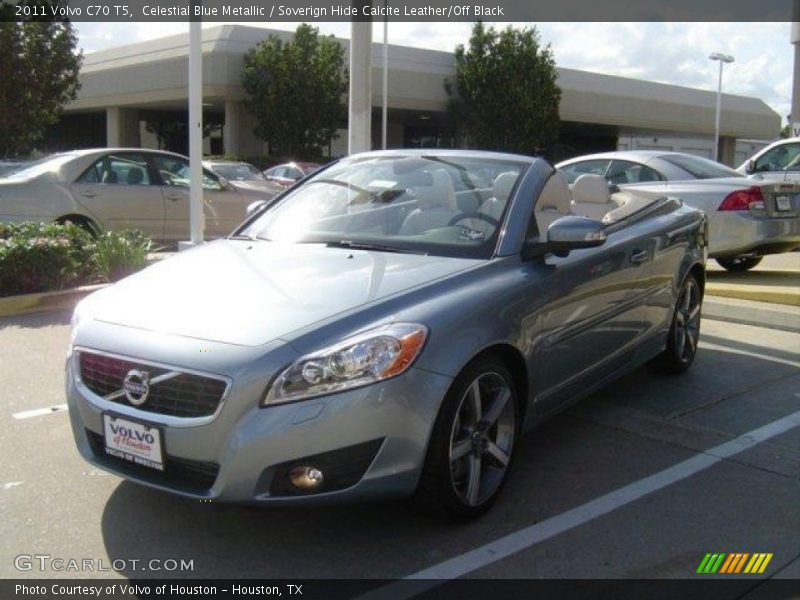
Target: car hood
column 245, row 293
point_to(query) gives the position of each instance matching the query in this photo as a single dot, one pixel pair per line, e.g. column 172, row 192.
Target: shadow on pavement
column 36, row 320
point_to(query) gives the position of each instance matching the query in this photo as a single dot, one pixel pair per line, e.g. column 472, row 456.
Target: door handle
column 640, row 257
column 88, row 194
column 174, row 197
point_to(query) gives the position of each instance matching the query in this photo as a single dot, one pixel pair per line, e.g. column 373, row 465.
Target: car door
column 223, row 207
column 595, row 314
column 121, row 191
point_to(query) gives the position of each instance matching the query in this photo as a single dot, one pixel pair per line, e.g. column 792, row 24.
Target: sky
column 675, row 53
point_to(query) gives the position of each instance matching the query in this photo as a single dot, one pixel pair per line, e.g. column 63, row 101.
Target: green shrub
column 39, row 257
column 119, row 254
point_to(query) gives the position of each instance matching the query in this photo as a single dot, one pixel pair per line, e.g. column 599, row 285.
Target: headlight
column 372, row 356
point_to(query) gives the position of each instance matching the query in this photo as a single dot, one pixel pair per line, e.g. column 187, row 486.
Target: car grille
column 179, row 473
column 185, row 395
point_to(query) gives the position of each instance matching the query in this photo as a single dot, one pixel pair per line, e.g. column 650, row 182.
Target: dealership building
column 136, row 95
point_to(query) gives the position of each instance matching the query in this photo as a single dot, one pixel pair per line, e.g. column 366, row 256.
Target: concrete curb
column 46, row 301
column 758, row 293
column 749, row 312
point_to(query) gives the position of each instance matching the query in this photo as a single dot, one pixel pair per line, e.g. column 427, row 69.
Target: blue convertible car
column 387, row 328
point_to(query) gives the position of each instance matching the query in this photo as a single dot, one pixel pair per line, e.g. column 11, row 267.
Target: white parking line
column 11, row 484
column 38, row 412
column 458, row 566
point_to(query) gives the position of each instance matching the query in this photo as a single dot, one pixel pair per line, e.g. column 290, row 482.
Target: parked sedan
column 244, row 176
column 290, row 173
column 383, row 335
column 109, row 189
column 748, row 218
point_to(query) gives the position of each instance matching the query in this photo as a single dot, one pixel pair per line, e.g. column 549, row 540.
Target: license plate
column 783, row 202
column 135, row 442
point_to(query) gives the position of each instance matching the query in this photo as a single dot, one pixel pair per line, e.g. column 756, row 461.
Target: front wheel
column 684, row 332
column 472, row 444
column 739, row 264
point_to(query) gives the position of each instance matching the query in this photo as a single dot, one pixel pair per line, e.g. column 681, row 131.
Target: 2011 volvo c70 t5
column 387, row 328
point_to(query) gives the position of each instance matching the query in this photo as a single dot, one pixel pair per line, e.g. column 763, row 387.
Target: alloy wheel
column 482, row 438
column 687, row 321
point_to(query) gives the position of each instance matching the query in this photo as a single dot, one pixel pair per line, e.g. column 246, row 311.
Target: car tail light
column 749, row 199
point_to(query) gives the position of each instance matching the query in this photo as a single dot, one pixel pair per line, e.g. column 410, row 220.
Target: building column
column 359, row 128
column 727, row 150
column 122, row 127
column 232, row 130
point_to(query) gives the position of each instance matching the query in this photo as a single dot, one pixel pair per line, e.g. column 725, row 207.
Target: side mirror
column 567, row 234
column 254, row 207
column 224, row 183
column 750, row 168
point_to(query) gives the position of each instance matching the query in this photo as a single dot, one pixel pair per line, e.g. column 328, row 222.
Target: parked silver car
column 376, row 333
column 748, row 218
column 111, row 189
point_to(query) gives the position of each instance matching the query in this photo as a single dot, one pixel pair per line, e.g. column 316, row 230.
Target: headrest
column 135, row 175
column 555, row 195
column 590, row 189
column 441, row 194
column 501, row 188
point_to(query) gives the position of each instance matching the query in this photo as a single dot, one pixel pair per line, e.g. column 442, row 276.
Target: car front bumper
column 740, row 232
column 371, row 441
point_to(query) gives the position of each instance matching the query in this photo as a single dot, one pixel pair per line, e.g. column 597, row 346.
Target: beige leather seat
column 590, row 193
column 501, row 190
column 554, row 202
column 436, row 205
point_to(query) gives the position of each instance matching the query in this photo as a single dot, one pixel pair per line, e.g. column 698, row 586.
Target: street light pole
column 385, row 75
column 722, row 58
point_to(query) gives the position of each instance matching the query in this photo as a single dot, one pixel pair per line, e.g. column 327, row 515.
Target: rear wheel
column 739, row 264
column 684, row 332
column 86, row 224
column 472, row 444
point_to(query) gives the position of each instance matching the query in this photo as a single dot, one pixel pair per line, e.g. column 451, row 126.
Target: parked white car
column 748, row 218
column 112, row 189
column 779, row 160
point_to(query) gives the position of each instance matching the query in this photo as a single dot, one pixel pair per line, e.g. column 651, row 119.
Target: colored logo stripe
column 734, row 563
column 710, row 563
column 758, row 563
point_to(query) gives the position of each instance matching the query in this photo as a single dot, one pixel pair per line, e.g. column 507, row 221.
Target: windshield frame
column 485, row 251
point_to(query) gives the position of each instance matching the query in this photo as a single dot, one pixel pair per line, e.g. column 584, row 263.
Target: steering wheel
column 474, row 215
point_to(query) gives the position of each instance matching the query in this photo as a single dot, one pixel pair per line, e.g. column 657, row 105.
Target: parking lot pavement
column 621, row 438
column 776, row 280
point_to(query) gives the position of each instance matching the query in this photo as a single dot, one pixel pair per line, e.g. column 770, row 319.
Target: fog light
column 306, row 478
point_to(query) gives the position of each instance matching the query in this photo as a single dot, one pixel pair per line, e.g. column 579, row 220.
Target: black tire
column 739, row 264
column 684, row 331
column 465, row 487
column 86, row 224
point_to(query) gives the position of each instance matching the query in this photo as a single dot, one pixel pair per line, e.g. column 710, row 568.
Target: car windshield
column 45, row 165
column 240, row 172
column 446, row 205
column 698, row 167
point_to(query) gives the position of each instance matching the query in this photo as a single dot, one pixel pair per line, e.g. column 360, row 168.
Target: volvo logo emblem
column 136, row 386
